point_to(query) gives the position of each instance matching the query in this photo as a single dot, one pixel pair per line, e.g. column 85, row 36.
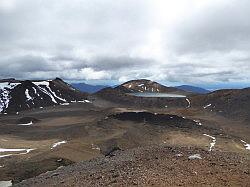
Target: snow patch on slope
column 207, row 106
column 26, row 124
column 247, row 146
column 195, row 156
column 212, row 144
column 49, row 92
column 46, row 84
column 57, row 144
column 95, row 147
column 198, row 122
column 64, row 104
column 189, row 103
column 5, row 89
column 23, row 152
column 28, row 95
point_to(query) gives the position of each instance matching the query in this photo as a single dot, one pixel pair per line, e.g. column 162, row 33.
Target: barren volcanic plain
column 116, row 139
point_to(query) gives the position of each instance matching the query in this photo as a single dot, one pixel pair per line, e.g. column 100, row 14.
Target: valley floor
column 154, row 151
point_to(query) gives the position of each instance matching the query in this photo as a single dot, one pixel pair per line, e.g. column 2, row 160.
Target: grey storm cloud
column 224, row 27
column 122, row 62
column 16, row 66
column 173, row 41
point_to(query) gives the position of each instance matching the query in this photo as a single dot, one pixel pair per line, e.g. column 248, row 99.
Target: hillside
column 122, row 94
column 17, row 95
column 144, row 85
column 230, row 102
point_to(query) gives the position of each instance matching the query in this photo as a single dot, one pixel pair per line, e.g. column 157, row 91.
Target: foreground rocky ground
column 154, row 165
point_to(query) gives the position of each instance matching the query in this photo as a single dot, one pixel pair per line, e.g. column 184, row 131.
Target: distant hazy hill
column 193, row 89
column 87, row 87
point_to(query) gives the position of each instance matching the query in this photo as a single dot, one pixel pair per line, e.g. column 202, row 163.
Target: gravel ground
column 155, row 165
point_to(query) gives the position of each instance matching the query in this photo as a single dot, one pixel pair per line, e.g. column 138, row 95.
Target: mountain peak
column 145, row 85
column 16, row 95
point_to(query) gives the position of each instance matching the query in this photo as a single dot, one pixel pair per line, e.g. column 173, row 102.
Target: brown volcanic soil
column 230, row 103
column 155, row 165
column 92, row 130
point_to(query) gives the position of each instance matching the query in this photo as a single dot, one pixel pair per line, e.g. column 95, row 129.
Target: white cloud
column 189, row 41
column 7, row 5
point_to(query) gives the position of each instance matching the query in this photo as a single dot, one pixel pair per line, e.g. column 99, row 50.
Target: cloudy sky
column 172, row 41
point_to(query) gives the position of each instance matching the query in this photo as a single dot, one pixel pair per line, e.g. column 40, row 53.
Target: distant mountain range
column 88, row 87
column 95, row 88
column 17, row 95
column 193, row 89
